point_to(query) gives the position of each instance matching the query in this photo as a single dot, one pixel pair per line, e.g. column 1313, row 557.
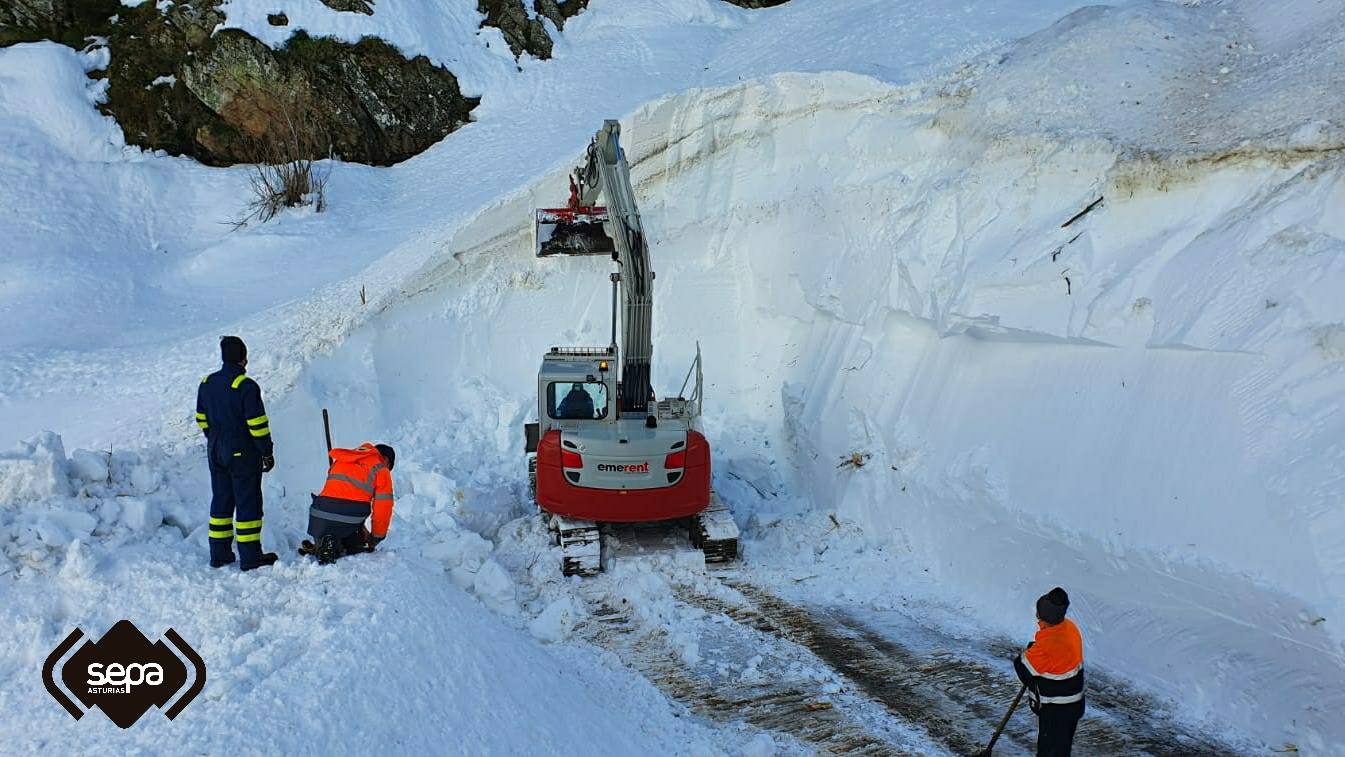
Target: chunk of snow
column 79, row 562
column 140, row 515
column 557, row 620
column 493, row 586
column 88, row 466
column 762, row 745
column 35, row 469
column 456, row 548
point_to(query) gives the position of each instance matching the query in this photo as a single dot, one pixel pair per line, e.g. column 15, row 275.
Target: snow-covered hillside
column 1139, row 402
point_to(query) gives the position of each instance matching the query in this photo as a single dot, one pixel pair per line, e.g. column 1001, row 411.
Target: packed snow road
column 836, row 678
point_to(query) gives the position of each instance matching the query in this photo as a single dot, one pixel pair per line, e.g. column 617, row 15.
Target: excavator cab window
column 576, row 400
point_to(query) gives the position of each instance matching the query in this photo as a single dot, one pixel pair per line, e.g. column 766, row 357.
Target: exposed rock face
column 175, row 86
column 525, row 31
column 522, row 31
column 59, row 20
column 561, row 11
column 351, row 6
column 366, row 100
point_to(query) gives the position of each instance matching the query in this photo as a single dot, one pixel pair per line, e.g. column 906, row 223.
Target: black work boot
column 220, row 563
column 328, row 549
column 267, row 558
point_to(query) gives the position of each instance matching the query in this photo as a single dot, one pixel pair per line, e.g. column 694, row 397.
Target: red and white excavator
column 604, row 449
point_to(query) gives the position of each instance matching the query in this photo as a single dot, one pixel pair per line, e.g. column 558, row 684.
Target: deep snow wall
column 1139, row 405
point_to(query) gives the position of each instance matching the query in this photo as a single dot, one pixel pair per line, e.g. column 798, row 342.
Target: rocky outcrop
column 559, row 12
column 351, row 6
column 524, row 31
column 60, row 20
column 365, row 101
column 174, row 84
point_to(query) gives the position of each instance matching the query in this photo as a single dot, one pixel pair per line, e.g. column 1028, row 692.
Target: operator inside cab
column 577, row 404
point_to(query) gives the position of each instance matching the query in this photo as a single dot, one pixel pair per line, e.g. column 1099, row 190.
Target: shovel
column 989, row 747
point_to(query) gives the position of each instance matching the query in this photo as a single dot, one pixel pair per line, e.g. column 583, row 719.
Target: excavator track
column 715, row 533
column 581, row 546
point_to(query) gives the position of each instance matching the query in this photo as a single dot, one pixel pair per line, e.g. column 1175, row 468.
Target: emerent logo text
column 619, row 468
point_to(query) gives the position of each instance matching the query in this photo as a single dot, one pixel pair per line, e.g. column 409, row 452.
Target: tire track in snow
column 891, row 675
column 841, row 684
column 781, row 704
column 956, row 696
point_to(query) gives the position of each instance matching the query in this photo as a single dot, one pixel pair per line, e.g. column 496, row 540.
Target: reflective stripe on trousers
column 221, row 528
column 335, row 517
column 248, row 530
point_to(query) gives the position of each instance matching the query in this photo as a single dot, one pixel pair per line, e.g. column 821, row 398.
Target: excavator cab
column 572, row 230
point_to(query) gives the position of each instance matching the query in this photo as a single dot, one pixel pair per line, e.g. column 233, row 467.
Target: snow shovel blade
column 571, row 231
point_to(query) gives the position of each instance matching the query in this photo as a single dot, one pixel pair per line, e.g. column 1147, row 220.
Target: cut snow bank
column 1139, row 403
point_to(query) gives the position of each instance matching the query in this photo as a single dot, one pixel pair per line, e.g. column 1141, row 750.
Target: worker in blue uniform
column 239, row 450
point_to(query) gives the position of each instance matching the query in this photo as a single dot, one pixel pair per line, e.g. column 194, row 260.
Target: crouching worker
column 359, row 485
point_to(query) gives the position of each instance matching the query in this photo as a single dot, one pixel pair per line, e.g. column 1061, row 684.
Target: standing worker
column 359, row 485
column 239, row 450
column 1052, row 670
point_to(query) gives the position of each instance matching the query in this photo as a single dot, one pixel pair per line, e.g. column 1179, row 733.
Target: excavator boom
column 585, row 228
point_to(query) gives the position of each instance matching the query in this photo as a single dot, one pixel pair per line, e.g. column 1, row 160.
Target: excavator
column 604, row 450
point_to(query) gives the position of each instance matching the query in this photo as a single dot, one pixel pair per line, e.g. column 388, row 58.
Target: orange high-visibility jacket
column 1052, row 666
column 360, row 475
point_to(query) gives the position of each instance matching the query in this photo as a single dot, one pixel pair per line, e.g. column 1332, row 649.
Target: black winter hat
column 232, row 350
column 388, row 454
column 1052, row 605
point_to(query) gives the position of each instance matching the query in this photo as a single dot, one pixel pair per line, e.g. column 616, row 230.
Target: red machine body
column 687, row 496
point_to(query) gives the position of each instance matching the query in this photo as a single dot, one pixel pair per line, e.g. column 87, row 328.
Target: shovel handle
column 1005, row 721
column 327, row 428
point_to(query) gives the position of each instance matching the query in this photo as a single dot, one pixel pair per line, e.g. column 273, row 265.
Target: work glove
column 268, row 463
column 372, row 542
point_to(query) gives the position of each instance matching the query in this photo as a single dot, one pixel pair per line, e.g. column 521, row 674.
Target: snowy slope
column 165, row 288
column 1140, row 405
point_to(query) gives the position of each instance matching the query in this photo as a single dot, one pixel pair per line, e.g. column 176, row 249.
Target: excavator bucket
column 571, row 231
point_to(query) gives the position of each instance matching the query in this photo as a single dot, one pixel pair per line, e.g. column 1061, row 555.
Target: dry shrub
column 284, row 170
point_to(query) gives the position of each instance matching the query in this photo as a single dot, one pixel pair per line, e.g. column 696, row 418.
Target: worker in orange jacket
column 1052, row 669
column 359, row 485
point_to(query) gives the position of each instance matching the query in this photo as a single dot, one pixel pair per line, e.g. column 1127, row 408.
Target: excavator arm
column 586, row 228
